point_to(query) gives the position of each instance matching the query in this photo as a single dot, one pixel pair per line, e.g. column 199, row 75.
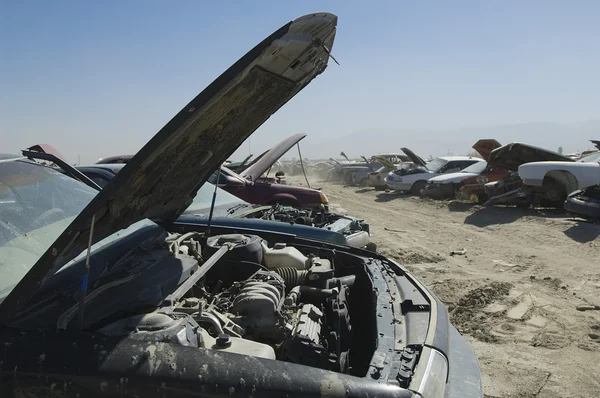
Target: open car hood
column 414, row 158
column 511, row 156
column 161, row 180
column 49, row 149
column 485, row 147
column 268, row 159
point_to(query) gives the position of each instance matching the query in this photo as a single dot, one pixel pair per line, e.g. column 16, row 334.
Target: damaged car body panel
column 124, row 305
column 585, row 202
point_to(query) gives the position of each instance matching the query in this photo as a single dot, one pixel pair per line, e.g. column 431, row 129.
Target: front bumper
column 397, row 185
column 438, row 191
column 579, row 203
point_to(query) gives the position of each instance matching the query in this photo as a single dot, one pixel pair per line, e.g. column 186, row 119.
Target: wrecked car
column 255, row 186
column 584, row 202
column 546, row 177
column 269, row 192
column 352, row 172
column 415, row 180
column 389, row 163
column 448, row 185
column 229, row 211
column 106, row 294
column 550, row 182
column 377, row 164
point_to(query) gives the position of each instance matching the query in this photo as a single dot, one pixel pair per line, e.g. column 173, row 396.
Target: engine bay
column 316, row 218
column 269, row 300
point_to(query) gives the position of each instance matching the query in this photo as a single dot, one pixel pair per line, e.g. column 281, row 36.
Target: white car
column 447, row 185
column 415, row 180
column 553, row 181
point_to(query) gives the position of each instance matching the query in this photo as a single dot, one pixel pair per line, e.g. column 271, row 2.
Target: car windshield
column 594, row 157
column 37, row 203
column 476, row 168
column 435, row 164
column 204, row 196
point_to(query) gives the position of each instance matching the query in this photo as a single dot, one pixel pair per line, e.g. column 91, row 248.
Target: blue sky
column 101, row 78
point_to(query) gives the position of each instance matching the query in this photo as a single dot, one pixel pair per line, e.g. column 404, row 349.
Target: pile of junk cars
column 514, row 174
column 159, row 274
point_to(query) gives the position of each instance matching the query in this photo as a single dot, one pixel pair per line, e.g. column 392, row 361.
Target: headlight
column 397, row 179
column 323, row 198
column 482, row 180
column 433, row 375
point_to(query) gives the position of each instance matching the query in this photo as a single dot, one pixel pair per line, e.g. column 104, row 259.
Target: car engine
column 259, row 299
column 316, row 218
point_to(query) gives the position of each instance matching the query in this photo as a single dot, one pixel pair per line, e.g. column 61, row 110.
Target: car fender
column 583, row 174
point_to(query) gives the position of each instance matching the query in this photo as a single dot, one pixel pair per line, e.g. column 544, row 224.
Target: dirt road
column 513, row 294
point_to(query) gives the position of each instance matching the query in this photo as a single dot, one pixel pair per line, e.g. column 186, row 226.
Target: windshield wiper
column 236, row 208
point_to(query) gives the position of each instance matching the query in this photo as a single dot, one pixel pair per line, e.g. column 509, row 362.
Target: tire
column 556, row 193
column 364, row 182
column 417, row 187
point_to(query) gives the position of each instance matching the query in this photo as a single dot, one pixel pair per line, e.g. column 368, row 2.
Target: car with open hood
column 106, row 294
column 518, row 157
column 390, row 162
column 550, row 182
column 229, row 211
column 448, row 185
column 415, row 179
column 254, row 185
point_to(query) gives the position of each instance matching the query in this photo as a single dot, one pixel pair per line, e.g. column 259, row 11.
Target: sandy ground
column 512, row 295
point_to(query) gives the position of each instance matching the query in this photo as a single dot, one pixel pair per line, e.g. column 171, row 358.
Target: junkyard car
column 377, row 178
column 106, row 295
column 229, row 211
column 268, row 191
column 415, row 180
column 518, row 158
column 552, row 181
column 585, row 202
column 448, row 185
